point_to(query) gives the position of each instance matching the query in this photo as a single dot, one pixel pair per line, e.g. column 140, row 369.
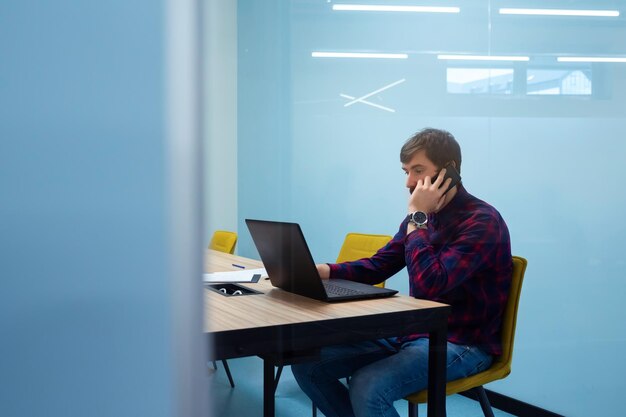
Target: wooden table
column 278, row 323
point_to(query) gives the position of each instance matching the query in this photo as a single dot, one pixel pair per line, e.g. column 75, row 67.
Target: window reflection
column 480, row 80
column 545, row 81
column 558, row 82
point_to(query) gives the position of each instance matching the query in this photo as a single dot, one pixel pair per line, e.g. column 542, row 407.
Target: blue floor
column 246, row 398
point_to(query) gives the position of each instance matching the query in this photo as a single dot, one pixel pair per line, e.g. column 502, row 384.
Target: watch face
column 419, row 217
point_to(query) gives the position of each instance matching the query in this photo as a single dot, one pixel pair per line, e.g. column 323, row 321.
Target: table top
column 276, row 307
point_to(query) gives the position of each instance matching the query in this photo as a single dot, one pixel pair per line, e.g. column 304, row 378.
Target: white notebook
column 245, row 275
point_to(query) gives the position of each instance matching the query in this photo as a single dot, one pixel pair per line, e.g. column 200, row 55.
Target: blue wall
column 84, row 289
column 263, row 124
column 551, row 164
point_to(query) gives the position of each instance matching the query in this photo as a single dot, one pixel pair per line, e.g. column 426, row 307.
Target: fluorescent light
column 357, row 55
column 590, row 59
column 384, row 8
column 561, row 12
column 483, row 57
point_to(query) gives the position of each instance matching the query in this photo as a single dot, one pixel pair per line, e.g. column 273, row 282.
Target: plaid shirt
column 462, row 259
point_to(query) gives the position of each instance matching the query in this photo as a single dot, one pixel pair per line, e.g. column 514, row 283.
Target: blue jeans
column 380, row 372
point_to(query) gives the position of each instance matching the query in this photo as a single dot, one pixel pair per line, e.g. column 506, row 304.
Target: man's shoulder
column 470, row 200
column 479, row 209
column 482, row 206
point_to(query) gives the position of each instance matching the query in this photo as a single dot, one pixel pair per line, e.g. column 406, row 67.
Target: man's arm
column 382, row 265
column 323, row 270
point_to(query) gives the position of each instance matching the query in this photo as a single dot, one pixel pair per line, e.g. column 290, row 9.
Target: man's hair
column 439, row 145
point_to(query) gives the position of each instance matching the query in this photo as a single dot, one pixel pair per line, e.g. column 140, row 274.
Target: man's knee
column 301, row 371
column 365, row 391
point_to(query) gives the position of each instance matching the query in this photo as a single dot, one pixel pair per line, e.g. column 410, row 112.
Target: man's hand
column 323, row 270
column 429, row 197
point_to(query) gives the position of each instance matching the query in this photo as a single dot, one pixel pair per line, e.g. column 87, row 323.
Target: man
column 457, row 251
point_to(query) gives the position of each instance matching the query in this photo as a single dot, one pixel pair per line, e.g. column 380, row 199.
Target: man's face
column 418, row 168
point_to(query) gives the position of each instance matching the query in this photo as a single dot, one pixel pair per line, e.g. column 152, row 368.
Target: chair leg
column 314, row 411
column 279, row 371
column 230, row 377
column 214, row 365
column 413, row 410
column 484, row 401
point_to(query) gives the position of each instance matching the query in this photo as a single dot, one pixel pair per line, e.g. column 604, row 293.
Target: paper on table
column 234, row 276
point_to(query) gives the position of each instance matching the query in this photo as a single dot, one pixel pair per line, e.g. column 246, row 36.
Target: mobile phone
column 451, row 172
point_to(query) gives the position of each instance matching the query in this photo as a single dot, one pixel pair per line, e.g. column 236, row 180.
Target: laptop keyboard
column 339, row 290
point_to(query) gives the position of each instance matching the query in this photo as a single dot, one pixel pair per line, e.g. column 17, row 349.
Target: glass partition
column 327, row 93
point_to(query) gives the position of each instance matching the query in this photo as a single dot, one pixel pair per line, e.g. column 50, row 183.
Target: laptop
column 289, row 264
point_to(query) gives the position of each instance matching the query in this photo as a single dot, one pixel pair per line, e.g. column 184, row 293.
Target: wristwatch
column 419, row 219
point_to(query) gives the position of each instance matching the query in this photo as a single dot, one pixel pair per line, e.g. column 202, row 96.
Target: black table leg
column 437, row 351
column 268, row 389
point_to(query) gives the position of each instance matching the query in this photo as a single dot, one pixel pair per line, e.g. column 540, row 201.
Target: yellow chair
column 501, row 367
column 358, row 245
column 223, row 241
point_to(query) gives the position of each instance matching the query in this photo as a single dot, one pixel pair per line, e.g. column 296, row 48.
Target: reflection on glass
column 559, row 82
column 480, row 80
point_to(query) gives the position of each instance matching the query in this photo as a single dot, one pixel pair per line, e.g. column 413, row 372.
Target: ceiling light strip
column 561, row 12
column 590, row 59
column 357, row 55
column 483, row 58
column 390, row 8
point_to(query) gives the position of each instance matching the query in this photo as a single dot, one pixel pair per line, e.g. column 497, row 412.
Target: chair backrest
column 358, row 245
column 509, row 320
column 223, row 241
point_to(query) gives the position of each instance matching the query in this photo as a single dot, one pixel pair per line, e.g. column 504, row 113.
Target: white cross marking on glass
column 363, row 100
